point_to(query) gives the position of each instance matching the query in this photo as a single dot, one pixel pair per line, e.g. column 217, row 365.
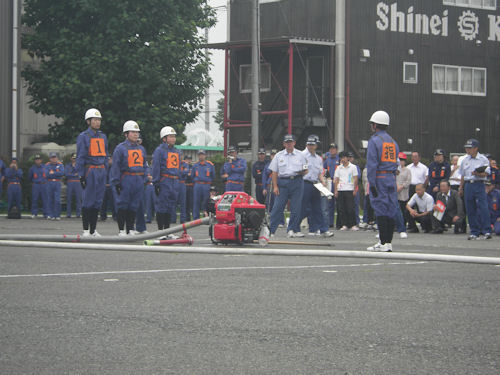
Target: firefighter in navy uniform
column 91, row 162
column 189, row 187
column 257, row 172
column 202, row 174
column 38, row 187
column 181, row 200
column 73, row 187
column 54, row 171
column 127, row 177
column 165, row 172
column 439, row 170
column 382, row 164
column 234, row 170
column 13, row 175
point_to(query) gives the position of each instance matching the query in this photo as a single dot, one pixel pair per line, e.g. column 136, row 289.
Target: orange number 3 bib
column 135, row 158
column 97, row 147
column 172, row 160
column 388, row 152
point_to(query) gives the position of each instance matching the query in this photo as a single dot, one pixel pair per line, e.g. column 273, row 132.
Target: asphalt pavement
column 67, row 311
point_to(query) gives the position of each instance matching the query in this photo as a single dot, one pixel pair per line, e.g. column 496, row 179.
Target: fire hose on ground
column 257, row 251
column 105, row 239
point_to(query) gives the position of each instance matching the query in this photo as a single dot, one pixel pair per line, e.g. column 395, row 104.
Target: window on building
column 480, row 4
column 246, row 78
column 458, row 80
column 410, row 72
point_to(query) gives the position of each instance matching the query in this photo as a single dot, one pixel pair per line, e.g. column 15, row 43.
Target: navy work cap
column 288, row 138
column 52, row 155
column 262, row 150
column 439, row 151
column 201, row 151
column 37, row 156
column 471, row 143
column 231, row 149
column 73, row 156
column 333, row 145
column 312, row 139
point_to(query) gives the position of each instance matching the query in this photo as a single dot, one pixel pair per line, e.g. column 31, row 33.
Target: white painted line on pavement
column 206, row 269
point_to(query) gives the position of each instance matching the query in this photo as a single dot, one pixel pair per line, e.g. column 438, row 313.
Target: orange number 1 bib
column 97, row 147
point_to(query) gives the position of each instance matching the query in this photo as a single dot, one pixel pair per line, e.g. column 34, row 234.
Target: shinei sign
column 390, row 18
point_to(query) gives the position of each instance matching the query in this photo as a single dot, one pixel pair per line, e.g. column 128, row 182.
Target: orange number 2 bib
column 172, row 160
column 388, row 152
column 135, row 158
column 97, row 147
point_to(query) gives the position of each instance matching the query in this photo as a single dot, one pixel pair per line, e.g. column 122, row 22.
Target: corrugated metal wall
column 5, row 77
column 291, row 18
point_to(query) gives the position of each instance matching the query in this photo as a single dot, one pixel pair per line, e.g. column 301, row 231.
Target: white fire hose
column 256, row 251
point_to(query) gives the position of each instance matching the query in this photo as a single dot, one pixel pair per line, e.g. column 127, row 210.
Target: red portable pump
column 238, row 218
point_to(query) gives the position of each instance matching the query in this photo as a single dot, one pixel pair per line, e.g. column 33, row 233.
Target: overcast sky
column 216, row 34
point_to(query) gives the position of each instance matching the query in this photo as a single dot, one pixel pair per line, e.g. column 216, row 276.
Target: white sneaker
column 403, row 235
column 363, row 225
column 311, row 233
column 49, row 218
column 172, row 237
column 86, row 233
column 144, row 232
column 295, row 234
column 122, row 233
column 33, row 216
column 133, row 233
column 58, row 218
column 280, row 225
column 328, row 233
column 344, row 228
column 379, row 247
column 374, row 247
column 354, row 228
column 96, row 234
column 377, row 235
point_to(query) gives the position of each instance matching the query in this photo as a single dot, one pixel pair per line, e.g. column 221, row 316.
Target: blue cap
column 262, row 150
column 14, row 158
column 37, row 156
column 231, row 149
column 52, row 155
column 471, row 143
column 288, row 138
column 201, row 151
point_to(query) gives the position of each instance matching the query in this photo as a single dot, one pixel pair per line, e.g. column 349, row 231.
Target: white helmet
column 131, row 126
column 167, row 130
column 380, row 118
column 92, row 112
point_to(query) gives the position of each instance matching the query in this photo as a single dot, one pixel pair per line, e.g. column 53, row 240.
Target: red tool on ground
column 184, row 239
column 239, row 219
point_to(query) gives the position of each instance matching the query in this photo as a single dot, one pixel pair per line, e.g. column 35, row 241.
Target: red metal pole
column 283, row 112
column 226, row 93
column 290, row 87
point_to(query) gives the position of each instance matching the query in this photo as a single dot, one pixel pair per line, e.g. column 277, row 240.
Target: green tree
column 133, row 60
column 219, row 115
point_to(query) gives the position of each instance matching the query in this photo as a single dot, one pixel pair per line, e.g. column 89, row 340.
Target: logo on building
column 408, row 21
column 468, row 25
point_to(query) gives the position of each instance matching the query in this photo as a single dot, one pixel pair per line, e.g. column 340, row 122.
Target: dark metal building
column 433, row 65
column 5, row 78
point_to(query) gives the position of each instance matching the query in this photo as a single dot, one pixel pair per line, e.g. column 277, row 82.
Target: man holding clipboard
column 474, row 170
